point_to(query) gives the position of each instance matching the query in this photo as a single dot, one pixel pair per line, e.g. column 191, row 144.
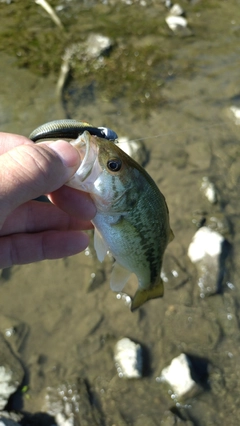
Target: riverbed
column 174, row 91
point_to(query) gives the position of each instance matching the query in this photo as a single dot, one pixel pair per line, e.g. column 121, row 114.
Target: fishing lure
column 70, row 129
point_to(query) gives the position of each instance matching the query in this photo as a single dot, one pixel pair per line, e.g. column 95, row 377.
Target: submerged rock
column 70, row 404
column 15, row 332
column 176, row 10
column 7, row 422
column 128, row 359
column 135, row 149
column 234, row 113
column 209, row 190
column 207, row 251
column 171, row 419
column 11, row 373
column 177, row 22
column 178, row 375
column 97, row 44
column 10, row 419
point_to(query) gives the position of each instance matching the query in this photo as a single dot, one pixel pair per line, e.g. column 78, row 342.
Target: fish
column 132, row 220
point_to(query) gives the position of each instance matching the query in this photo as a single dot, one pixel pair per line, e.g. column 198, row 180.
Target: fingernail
column 68, row 155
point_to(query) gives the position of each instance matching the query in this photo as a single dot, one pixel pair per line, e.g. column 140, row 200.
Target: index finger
column 10, row 140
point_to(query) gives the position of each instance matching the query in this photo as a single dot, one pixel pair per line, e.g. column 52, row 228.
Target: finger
column 27, row 248
column 10, row 141
column 28, row 171
column 74, row 202
column 36, row 216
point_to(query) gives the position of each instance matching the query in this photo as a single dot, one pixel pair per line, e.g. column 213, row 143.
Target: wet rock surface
column 11, row 373
column 60, row 317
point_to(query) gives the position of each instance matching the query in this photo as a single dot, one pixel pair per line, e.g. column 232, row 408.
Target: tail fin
column 141, row 296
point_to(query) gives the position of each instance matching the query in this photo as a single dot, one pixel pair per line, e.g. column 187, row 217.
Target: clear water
column 180, row 108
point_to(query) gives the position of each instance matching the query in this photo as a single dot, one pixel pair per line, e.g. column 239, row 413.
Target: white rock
column 235, row 112
column 128, row 359
column 7, row 386
column 176, row 22
column 209, row 190
column 204, row 251
column 176, row 10
column 130, row 147
column 135, row 149
column 63, row 420
column 168, row 3
column 178, row 375
column 97, row 44
column 205, row 242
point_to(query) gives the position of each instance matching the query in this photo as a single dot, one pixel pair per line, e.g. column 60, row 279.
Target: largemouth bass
column 132, row 220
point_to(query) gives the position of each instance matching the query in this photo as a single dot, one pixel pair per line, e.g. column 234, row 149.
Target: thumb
column 30, row 170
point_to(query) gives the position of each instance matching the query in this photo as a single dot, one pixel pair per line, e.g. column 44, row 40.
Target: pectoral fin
column 141, row 296
column 100, row 245
column 119, row 277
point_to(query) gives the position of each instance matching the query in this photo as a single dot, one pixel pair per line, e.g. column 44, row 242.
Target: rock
column 14, row 331
column 176, row 22
column 135, row 149
column 8, row 422
column 171, row 419
column 91, row 49
column 10, row 419
column 11, row 373
column 97, row 45
column 128, row 359
column 209, row 190
column 234, row 113
column 205, row 242
column 176, row 10
column 168, row 3
column 205, row 250
column 70, row 404
column 62, row 420
column 178, row 375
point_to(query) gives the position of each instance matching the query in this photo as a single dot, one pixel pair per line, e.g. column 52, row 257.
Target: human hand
column 31, row 230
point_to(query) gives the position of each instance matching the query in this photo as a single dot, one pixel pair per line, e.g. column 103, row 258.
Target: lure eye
column 114, row 165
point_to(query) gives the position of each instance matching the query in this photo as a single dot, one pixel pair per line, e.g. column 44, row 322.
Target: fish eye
column 114, row 165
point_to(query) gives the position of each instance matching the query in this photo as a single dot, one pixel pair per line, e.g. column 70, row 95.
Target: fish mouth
column 86, row 174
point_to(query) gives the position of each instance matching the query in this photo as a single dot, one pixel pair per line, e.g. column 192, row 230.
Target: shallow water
column 68, row 325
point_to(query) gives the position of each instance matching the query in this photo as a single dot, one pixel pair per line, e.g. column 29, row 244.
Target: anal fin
column 119, row 277
column 99, row 245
